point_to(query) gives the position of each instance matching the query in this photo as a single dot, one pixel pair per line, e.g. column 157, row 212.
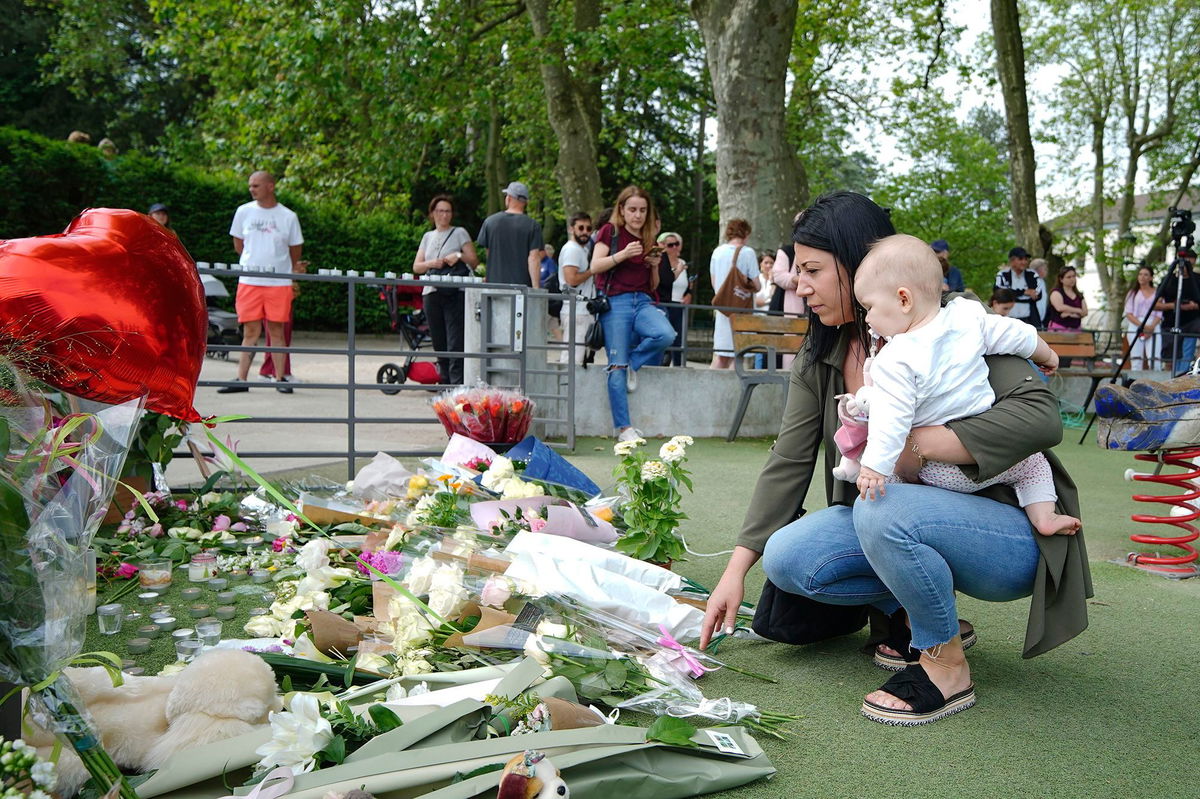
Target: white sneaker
column 629, row 434
column 630, row 379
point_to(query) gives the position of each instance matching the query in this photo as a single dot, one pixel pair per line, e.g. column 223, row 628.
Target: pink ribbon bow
column 695, row 667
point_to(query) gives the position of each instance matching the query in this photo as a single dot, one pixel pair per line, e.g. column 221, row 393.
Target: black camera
column 1182, row 226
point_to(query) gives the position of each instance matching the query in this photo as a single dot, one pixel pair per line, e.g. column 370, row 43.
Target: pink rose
column 181, row 504
column 536, row 524
column 220, row 523
column 238, row 527
column 126, row 570
column 279, row 544
column 154, row 530
column 495, row 592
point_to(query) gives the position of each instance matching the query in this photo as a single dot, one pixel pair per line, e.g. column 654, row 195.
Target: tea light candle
column 259, row 611
column 252, row 541
column 268, row 596
column 202, row 264
column 134, row 671
column 351, row 273
column 226, row 597
column 408, row 275
column 166, row 623
column 147, row 597
column 390, row 275
column 160, row 613
column 148, row 631
column 219, row 265
column 226, row 612
column 190, row 594
column 133, row 616
column 218, row 584
column 127, row 663
column 260, row 576
column 183, row 634
column 368, row 274
column 322, row 271
column 199, row 611
column 138, row 646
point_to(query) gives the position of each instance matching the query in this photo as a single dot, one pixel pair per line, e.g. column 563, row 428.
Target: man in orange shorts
column 267, row 236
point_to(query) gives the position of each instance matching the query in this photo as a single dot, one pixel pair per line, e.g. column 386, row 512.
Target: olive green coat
column 1024, row 420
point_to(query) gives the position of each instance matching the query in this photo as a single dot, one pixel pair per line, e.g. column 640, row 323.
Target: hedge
column 46, row 183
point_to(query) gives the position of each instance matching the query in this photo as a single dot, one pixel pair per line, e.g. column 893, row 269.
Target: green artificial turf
column 1110, row 714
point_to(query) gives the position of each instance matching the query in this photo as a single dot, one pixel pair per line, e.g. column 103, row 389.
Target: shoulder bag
column 737, row 290
column 593, row 339
column 459, row 268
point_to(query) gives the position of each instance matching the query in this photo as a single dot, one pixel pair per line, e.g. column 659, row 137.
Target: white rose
column 188, row 533
column 549, row 629
column 654, row 470
column 420, row 574
column 500, row 471
column 262, row 627
column 210, row 498
column 296, row 736
column 281, row 528
column 447, row 595
column 372, row 661
column 414, row 663
column 314, row 555
column 410, row 630
column 533, row 649
column 396, row 537
column 672, row 452
column 516, row 488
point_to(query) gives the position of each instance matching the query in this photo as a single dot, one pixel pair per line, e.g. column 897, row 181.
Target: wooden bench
column 769, row 335
column 1078, row 351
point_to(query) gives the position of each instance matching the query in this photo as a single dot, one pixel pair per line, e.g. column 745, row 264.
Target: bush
column 47, row 183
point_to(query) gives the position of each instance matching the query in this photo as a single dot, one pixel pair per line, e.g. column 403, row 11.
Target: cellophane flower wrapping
column 62, row 458
column 485, row 413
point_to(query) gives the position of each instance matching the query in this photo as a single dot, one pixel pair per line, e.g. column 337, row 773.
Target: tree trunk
column 1010, row 65
column 572, row 121
column 491, row 169
column 747, row 44
column 694, row 252
column 1099, row 251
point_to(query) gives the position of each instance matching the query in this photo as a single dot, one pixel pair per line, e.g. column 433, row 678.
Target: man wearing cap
column 513, row 241
column 1024, row 281
column 266, row 235
column 952, row 279
column 160, row 214
column 1180, row 351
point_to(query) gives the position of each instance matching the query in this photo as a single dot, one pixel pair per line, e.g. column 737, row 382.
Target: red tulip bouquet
column 485, row 414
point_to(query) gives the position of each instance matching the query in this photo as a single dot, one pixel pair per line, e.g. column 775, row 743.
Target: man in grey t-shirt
column 513, row 241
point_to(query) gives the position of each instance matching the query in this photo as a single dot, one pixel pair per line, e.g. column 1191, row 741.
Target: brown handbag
column 737, row 290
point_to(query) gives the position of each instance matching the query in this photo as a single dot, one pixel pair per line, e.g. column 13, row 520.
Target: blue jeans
column 912, row 548
column 632, row 318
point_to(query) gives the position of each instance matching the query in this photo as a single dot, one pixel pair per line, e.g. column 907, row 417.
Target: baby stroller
column 415, row 333
column 222, row 325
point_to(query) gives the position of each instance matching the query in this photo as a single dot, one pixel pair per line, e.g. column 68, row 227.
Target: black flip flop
column 928, row 705
column 911, row 656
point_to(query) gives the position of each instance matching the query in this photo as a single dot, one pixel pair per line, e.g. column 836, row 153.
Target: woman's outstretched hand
column 723, row 604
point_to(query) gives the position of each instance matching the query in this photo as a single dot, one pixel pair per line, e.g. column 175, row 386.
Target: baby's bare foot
column 1057, row 524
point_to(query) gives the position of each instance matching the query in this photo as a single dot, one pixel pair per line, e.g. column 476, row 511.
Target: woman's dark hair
column 440, row 198
column 844, row 224
column 737, row 228
column 1002, row 296
column 1058, row 284
column 1134, row 287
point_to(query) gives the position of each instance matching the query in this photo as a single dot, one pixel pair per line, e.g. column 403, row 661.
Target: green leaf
column 615, row 674
column 5, row 436
column 672, row 731
column 335, row 750
column 385, row 718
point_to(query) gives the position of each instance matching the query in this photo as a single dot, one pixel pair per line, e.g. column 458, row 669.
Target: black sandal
column 928, row 705
column 910, row 655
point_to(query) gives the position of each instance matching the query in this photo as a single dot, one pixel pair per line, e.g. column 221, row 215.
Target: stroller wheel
column 390, row 373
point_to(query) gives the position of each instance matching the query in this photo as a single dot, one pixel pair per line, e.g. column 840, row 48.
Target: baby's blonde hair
column 901, row 260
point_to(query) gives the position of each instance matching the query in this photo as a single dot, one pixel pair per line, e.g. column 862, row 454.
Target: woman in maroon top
column 1067, row 305
column 636, row 331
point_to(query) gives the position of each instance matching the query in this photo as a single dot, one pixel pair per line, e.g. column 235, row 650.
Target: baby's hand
column 869, row 482
column 1049, row 364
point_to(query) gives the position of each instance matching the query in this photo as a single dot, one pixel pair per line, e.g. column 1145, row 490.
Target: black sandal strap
column 914, row 687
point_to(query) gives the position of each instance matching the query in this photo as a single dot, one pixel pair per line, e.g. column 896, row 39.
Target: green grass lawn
column 1110, row 714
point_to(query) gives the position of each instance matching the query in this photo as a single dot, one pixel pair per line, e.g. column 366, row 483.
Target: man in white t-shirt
column 573, row 273
column 266, row 234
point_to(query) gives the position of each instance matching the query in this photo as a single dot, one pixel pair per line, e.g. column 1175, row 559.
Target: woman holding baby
column 900, row 557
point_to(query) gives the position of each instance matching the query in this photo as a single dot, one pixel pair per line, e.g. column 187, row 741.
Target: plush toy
column 531, row 775
column 142, row 723
column 851, row 436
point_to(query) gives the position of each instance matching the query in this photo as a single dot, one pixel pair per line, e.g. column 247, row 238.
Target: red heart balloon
column 110, row 310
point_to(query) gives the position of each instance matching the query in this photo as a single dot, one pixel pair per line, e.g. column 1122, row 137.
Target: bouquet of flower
column 22, row 774
column 651, row 485
column 486, row 414
column 60, row 461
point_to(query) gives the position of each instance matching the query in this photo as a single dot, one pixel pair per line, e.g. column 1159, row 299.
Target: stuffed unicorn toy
column 851, row 435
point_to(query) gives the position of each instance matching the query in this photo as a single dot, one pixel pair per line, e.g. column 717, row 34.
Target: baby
column 932, row 371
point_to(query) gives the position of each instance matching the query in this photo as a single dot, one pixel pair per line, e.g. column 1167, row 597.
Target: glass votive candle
column 166, row 623
column 226, row 612
column 260, row 576
column 202, row 568
column 390, row 275
column 268, row 596
column 259, row 611
column 202, row 265
column 408, row 275
column 226, row 597
column 218, row 584
column 109, row 617
column 209, row 632
column 351, row 273
column 138, row 646
column 148, row 631
column 147, row 597
column 190, row 594
column 154, row 575
column 199, row 611
column 368, row 274
column 219, row 265
column 186, row 650
column 322, row 271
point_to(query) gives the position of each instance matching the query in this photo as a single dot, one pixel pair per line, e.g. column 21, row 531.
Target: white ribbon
column 283, row 778
column 723, row 709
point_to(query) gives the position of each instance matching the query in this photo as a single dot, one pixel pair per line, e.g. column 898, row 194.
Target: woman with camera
column 445, row 250
column 636, row 331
